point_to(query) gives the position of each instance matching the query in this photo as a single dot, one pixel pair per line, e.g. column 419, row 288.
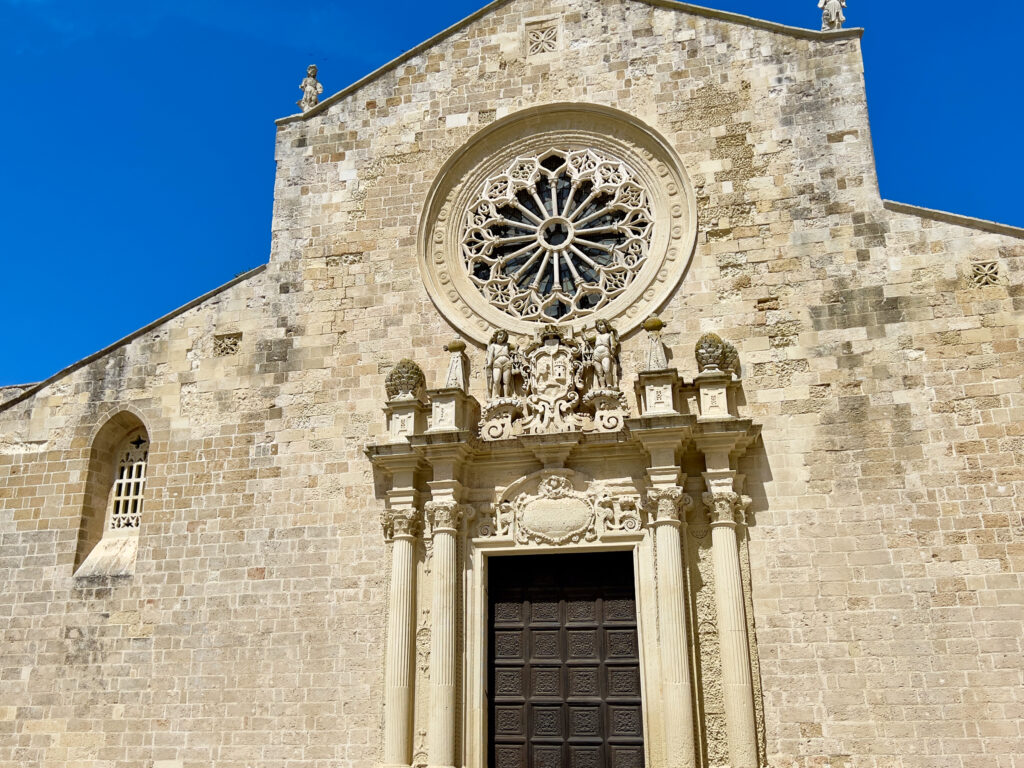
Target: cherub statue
column 498, row 366
column 311, row 90
column 606, row 354
column 832, row 14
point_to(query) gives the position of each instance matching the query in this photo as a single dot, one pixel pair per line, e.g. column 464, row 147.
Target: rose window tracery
column 557, row 236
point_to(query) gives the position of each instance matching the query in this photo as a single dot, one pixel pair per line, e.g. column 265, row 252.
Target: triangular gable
column 696, row 10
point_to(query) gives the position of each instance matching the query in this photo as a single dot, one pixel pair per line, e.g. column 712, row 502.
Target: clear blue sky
column 139, row 137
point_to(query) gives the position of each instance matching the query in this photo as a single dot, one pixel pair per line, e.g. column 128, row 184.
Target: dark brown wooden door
column 564, row 662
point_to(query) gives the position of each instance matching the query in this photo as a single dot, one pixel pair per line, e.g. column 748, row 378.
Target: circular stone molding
column 563, row 214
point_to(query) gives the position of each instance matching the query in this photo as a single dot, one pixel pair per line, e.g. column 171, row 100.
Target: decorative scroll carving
column 832, row 16
column 557, row 507
column 556, row 514
column 668, row 505
column 405, row 381
column 405, row 521
column 726, row 507
column 553, row 371
column 621, row 513
column 713, row 354
column 557, row 236
column 446, row 515
column 311, row 90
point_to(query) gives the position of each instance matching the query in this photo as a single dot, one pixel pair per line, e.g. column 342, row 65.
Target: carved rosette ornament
column 668, row 505
column 401, row 523
column 446, row 515
column 726, row 507
column 405, row 381
column 713, row 354
column 558, row 235
column 561, row 214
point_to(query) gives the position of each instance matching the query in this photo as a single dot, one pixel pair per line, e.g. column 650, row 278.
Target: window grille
column 129, row 484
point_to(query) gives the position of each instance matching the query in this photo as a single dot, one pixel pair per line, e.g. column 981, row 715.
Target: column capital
column 668, row 505
column 726, row 507
column 401, row 523
column 446, row 515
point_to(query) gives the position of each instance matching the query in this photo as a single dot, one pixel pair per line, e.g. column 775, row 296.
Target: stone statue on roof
column 311, row 90
column 832, row 14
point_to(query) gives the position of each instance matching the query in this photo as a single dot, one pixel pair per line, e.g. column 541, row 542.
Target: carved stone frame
column 537, row 130
column 477, row 553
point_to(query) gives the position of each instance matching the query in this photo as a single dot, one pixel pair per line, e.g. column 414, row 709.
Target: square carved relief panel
column 543, row 36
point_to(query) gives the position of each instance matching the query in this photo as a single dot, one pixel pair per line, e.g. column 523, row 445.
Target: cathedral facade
column 592, row 411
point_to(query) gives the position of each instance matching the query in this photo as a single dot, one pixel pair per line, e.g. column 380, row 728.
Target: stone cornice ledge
column 955, row 219
column 696, row 10
column 130, row 337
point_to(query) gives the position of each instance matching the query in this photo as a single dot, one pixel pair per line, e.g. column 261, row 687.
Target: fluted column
column 445, row 517
column 726, row 510
column 668, row 519
column 402, row 526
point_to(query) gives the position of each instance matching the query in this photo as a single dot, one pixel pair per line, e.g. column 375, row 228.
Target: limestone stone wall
column 887, row 553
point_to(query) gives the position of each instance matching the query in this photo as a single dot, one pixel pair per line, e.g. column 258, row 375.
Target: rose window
column 557, row 236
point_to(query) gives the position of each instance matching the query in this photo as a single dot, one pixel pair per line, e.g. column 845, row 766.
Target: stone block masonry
column 885, row 543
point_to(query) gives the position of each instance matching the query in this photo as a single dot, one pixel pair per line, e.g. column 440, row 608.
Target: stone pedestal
column 713, row 386
column 656, row 392
column 451, row 409
column 406, row 417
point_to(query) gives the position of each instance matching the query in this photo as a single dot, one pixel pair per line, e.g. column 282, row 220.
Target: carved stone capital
column 726, row 507
column 405, row 522
column 446, row 516
column 668, row 505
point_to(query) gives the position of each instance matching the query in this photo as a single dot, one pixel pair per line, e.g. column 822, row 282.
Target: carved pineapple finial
column 405, row 381
column 713, row 354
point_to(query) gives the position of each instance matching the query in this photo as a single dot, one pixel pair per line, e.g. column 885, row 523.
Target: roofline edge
column 697, row 10
column 956, row 219
column 130, row 337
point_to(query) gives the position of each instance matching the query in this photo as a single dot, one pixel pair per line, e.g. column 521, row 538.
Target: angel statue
column 498, row 366
column 311, row 90
column 832, row 14
column 605, row 355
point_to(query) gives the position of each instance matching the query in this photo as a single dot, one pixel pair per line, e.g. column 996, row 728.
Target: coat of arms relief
column 557, row 507
column 554, row 383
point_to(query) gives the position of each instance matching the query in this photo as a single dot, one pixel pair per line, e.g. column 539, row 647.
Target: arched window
column 125, row 506
column 112, row 512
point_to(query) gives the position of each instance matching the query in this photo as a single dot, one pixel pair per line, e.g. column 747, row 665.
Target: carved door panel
column 564, row 687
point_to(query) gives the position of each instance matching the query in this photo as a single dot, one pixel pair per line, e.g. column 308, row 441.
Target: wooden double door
column 564, row 667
